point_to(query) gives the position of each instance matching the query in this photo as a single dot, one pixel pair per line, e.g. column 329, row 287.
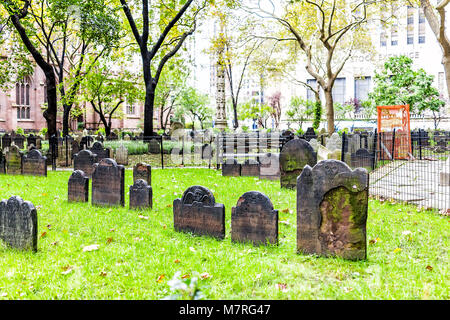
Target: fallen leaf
column 54, row 243
column 160, row 278
column 282, row 287
column 92, row 247
column 186, row 276
column 397, row 250
column 43, row 234
column 112, row 230
column 177, row 261
column 67, row 269
column 49, row 226
column 285, row 210
column 205, row 275
column 44, row 194
column 103, row 274
column 169, row 205
column 429, row 268
column 109, row 240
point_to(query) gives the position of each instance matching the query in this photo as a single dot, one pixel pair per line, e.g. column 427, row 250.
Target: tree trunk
column 236, row 123
column 330, row 111
column 66, row 116
column 446, row 64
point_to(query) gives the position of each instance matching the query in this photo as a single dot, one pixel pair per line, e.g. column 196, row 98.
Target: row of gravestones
column 332, row 202
column 85, row 159
column 15, row 162
column 19, row 140
column 108, row 180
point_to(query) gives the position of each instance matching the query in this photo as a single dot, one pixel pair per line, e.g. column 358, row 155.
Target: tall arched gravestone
column 78, row 187
column 142, row 171
column 14, row 160
column 253, row 219
column 122, row 155
column 269, row 167
column 141, row 195
column 18, row 223
column 34, row 164
column 84, row 161
column 108, row 183
column 294, row 156
column 198, row 212
column 102, row 153
column 332, row 202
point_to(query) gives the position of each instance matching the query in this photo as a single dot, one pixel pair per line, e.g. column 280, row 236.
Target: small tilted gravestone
column 2, row 162
column 361, row 158
column 142, row 171
column 108, row 183
column 14, row 160
column 294, row 155
column 141, row 196
column 253, row 219
column 78, row 187
column 122, row 155
column 34, row 164
column 269, row 167
column 332, row 202
column 18, row 223
column 231, row 168
column 250, row 168
column 198, row 212
column 102, row 153
column 84, row 161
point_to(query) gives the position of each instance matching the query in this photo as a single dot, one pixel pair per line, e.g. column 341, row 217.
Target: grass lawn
column 139, row 252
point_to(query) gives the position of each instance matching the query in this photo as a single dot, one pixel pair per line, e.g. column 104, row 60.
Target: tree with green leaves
column 160, row 29
column 194, row 105
column 399, row 84
column 255, row 111
column 299, row 110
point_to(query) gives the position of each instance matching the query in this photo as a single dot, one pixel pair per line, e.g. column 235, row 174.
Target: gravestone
column 141, row 195
column 84, row 161
column 6, row 141
column 64, row 153
column 154, row 146
column 31, row 140
column 86, row 142
column 293, row 157
column 78, row 187
column 332, row 202
column 112, row 136
column 2, row 163
column 19, row 141
column 101, row 152
column 198, row 212
column 108, row 183
column 18, row 224
column 335, row 154
column 122, row 155
column 314, row 144
column 231, row 168
column 362, row 158
column 269, row 167
column 322, row 153
column 250, row 168
column 310, row 134
column 142, row 171
column 99, row 137
column 14, row 160
column 34, row 164
column 253, row 219
column 75, row 147
column 334, row 142
column 444, row 175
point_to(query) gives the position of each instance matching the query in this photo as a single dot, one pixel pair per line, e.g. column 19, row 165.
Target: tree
column 299, row 110
column 398, row 83
column 67, row 34
column 165, row 27
column 195, row 105
column 326, row 33
column 437, row 20
column 106, row 90
column 255, row 111
column 275, row 104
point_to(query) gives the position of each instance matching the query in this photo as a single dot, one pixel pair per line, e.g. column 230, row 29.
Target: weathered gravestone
column 314, row 144
column 293, row 157
column 334, row 142
column 31, row 140
column 2, row 163
column 84, row 161
column 269, row 167
column 34, row 164
column 14, row 160
column 108, row 183
column 141, row 196
column 18, row 223
column 198, row 212
column 362, row 158
column 250, row 168
column 86, row 142
column 64, row 153
column 6, row 141
column 19, row 141
column 310, row 134
column 231, row 168
column 142, row 171
column 253, row 219
column 101, row 152
column 122, row 155
column 332, row 210
column 78, row 187
column 154, row 146
column 75, row 147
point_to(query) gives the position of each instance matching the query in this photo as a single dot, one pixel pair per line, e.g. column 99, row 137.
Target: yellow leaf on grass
column 160, row 278
column 397, row 250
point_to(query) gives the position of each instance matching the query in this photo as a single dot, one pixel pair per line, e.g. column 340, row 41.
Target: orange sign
column 396, row 118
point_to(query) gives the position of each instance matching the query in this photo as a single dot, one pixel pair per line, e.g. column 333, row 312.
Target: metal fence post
column 343, row 146
column 393, row 145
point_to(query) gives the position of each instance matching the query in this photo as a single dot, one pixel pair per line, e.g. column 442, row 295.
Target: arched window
column 23, row 98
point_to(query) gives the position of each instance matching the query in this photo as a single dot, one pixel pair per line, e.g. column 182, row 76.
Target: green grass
column 134, row 252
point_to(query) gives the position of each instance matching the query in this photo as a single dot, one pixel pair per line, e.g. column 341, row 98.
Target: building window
column 362, row 88
column 131, row 109
column 394, row 35
column 421, row 26
column 23, row 94
column 410, row 26
column 338, row 91
column 383, row 39
column 310, row 95
column 23, row 113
